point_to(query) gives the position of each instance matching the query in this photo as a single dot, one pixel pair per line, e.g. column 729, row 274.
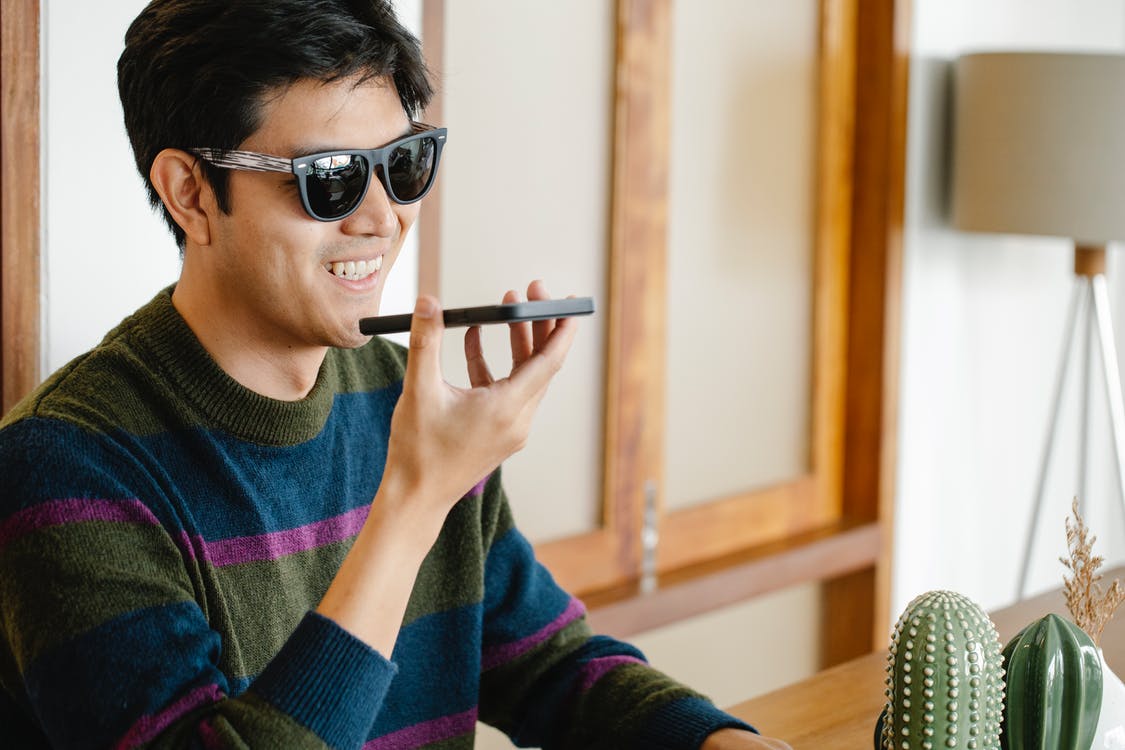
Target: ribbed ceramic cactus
column 945, row 684
column 1054, row 679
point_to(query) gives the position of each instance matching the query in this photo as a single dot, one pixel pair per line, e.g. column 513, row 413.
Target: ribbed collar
column 225, row 403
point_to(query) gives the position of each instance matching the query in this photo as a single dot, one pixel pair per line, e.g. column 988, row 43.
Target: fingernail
column 424, row 308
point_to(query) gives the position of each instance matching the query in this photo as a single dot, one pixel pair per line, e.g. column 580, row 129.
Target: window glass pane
column 741, row 233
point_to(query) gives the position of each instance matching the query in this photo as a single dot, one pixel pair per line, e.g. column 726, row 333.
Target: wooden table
column 837, row 709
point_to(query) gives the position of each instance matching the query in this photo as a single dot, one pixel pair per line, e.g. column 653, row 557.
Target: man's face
column 275, row 266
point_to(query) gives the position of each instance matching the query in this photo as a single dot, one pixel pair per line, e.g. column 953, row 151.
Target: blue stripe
column 520, row 596
column 238, row 685
column 298, row 484
column 328, row 680
column 422, row 690
column 438, row 677
column 125, row 647
column 39, row 457
column 228, row 499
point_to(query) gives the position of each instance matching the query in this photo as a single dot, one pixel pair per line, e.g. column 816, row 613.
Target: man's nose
column 375, row 214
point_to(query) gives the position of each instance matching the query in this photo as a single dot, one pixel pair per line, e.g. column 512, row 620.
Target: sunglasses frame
column 377, row 159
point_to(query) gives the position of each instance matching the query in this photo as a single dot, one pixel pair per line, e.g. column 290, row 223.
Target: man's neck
column 272, row 369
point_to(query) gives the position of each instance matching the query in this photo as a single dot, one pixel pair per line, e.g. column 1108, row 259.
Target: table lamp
column 1039, row 148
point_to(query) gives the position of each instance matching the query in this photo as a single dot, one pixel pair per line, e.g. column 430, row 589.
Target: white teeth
column 354, row 270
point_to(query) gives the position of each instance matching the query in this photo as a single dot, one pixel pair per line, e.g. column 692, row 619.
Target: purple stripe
column 148, row 727
column 210, row 738
column 418, row 735
column 493, row 656
column 59, row 512
column 192, row 548
column 275, row 544
column 220, row 552
column 595, row 669
column 478, row 488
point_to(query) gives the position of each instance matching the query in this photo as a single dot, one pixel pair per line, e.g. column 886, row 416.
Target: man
column 239, row 523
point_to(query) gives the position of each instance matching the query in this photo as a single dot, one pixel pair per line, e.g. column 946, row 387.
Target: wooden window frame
column 832, row 524
column 19, row 200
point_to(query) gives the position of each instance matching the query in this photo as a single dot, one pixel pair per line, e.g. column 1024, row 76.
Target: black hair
column 195, row 73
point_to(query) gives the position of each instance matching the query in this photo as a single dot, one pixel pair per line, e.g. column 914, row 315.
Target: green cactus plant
column 945, row 684
column 1054, row 683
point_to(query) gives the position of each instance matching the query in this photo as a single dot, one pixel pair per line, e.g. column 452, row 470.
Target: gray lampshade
column 1039, row 144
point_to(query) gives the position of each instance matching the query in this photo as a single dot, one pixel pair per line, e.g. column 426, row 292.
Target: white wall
column 982, row 330
column 104, row 252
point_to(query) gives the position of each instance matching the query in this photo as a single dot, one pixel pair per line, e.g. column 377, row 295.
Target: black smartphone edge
column 511, row 312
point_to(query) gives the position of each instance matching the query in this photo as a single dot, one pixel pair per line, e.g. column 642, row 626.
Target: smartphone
column 511, row 312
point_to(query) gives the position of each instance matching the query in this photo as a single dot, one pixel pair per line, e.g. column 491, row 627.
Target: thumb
column 426, row 326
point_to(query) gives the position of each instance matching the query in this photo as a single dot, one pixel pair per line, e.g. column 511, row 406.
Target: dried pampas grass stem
column 1090, row 607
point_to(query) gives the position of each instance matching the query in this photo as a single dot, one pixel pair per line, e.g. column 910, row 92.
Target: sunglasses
column 332, row 183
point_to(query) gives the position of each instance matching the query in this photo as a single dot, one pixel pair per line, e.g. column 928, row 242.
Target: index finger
column 423, row 362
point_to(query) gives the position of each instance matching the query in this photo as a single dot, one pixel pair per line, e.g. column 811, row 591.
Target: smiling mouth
column 354, row 270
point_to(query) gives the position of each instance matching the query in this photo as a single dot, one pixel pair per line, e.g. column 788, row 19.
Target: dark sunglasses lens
column 410, row 167
column 336, row 184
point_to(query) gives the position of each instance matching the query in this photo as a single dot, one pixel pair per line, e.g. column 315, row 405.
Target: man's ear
column 188, row 197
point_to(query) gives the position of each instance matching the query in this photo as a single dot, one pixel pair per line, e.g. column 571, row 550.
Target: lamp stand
column 1091, row 299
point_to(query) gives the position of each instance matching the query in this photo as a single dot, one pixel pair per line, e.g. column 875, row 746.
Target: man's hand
column 445, row 439
column 737, row 739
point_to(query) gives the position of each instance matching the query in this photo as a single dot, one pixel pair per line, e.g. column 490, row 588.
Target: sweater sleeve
column 548, row 682
column 104, row 639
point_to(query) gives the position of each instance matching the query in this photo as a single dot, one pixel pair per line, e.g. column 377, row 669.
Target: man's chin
column 350, row 340
column 347, row 335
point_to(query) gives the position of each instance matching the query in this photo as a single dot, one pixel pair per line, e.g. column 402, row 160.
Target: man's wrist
column 406, row 514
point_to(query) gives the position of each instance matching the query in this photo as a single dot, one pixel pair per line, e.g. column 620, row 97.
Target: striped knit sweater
column 166, row 533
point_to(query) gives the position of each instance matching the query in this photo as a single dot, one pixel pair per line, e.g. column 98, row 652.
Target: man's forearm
column 369, row 595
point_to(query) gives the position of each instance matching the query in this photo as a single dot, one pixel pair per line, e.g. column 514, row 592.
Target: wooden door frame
column 19, row 200
column 832, row 524
column 856, row 607
column 429, row 220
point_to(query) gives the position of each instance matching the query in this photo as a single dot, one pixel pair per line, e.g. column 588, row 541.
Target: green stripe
column 99, row 404
column 452, row 574
column 373, row 367
column 112, row 386
column 636, row 686
column 100, row 587
column 269, row 597
column 264, row 601
column 461, row 742
column 496, row 513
